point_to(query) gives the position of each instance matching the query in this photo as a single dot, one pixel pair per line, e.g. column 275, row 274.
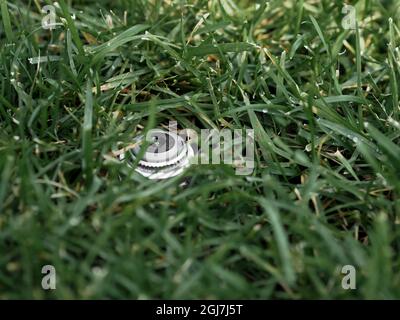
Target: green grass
column 324, row 104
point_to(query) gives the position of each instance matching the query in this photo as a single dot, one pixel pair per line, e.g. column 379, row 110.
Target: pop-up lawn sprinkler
column 166, row 156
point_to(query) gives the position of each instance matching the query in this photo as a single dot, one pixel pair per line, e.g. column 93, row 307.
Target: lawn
column 320, row 91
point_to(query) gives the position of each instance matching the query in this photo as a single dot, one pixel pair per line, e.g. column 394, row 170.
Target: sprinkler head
column 166, row 156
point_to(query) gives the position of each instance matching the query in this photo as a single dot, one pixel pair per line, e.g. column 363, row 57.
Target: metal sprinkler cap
column 167, row 155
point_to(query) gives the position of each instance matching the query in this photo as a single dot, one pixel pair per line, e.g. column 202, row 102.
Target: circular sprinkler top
column 166, row 156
